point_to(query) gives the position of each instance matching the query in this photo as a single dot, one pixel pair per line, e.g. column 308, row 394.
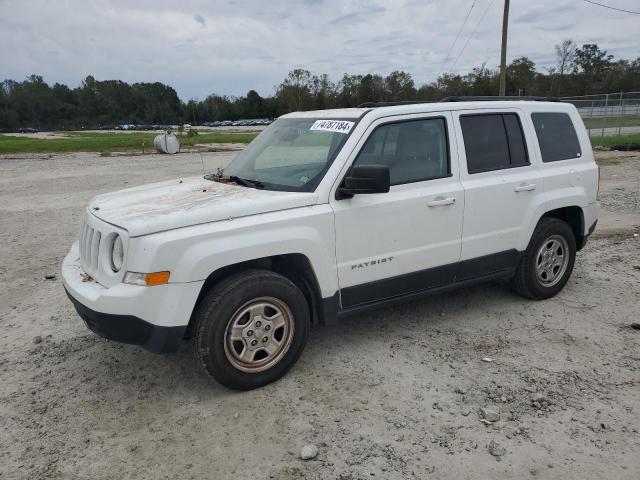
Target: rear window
column 493, row 142
column 556, row 136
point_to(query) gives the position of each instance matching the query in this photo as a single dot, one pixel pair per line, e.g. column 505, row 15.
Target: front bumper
column 154, row 317
column 130, row 329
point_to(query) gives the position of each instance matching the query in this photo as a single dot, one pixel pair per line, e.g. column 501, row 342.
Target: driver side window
column 414, row 151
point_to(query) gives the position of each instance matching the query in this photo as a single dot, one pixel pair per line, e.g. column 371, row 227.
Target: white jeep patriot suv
column 329, row 213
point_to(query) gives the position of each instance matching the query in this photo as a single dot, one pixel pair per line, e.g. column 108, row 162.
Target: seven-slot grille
column 89, row 248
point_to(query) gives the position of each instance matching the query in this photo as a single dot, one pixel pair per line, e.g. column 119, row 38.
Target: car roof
column 338, row 113
column 425, row 107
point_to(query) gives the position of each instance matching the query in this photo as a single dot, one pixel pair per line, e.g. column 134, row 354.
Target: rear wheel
column 250, row 329
column 548, row 261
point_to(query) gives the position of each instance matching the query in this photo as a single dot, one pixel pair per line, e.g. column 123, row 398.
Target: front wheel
column 548, row 261
column 250, row 329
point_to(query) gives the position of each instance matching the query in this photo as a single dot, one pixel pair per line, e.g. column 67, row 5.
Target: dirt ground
column 394, row 394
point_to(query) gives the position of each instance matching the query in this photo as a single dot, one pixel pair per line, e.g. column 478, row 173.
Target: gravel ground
column 394, row 394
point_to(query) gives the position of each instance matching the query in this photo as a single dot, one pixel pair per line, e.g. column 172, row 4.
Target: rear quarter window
column 556, row 136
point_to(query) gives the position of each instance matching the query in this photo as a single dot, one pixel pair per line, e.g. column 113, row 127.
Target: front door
column 409, row 239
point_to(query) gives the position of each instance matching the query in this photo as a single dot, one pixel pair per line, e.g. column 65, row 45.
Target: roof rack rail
column 391, row 104
column 471, row 98
column 487, row 98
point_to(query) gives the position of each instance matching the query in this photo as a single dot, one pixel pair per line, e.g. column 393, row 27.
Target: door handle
column 440, row 202
column 525, row 187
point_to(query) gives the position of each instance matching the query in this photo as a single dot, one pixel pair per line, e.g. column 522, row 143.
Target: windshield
column 291, row 154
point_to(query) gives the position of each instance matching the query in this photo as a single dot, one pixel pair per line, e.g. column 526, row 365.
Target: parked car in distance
column 331, row 213
column 28, row 130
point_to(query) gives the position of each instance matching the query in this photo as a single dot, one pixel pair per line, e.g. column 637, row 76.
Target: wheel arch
column 574, row 217
column 294, row 266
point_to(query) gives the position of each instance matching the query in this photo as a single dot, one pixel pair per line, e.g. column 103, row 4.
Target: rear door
column 406, row 240
column 503, row 188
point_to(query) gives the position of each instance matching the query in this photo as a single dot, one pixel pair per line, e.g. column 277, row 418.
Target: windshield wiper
column 245, row 182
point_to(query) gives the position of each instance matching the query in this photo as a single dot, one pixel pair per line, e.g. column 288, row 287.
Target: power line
column 472, row 34
column 456, row 39
column 612, row 8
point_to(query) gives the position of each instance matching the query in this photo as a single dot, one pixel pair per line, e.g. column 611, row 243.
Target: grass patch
column 611, row 122
column 113, row 142
column 615, row 140
column 108, row 141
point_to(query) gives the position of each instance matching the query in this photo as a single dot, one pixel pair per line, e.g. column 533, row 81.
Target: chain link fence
column 609, row 114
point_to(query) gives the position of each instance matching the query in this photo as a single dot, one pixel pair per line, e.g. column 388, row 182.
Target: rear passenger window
column 517, row 147
column 556, row 136
column 415, row 150
column 493, row 142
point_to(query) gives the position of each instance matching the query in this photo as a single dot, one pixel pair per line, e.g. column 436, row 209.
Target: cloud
column 542, row 13
column 556, row 28
column 358, row 14
column 231, row 46
column 200, row 19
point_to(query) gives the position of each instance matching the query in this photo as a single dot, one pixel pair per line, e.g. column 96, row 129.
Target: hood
column 191, row 201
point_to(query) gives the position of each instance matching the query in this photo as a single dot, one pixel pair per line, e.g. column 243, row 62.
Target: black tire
column 217, row 310
column 526, row 281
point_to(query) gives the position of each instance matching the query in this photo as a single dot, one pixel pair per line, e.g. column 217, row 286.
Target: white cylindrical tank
column 167, row 143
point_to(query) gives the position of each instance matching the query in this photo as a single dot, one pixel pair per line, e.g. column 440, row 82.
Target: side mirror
column 365, row 179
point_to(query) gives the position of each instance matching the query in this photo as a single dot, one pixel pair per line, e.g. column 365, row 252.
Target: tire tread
column 205, row 317
column 521, row 281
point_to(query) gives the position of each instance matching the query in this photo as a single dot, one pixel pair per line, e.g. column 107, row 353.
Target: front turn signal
column 147, row 279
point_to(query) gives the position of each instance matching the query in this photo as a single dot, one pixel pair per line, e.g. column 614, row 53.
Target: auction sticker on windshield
column 338, row 126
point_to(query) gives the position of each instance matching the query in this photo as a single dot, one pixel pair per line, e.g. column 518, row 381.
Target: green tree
column 295, row 90
column 252, row 105
column 348, row 90
column 32, row 102
column 565, row 56
column 521, row 75
column 594, row 64
column 399, row 86
column 323, row 91
column 371, row 89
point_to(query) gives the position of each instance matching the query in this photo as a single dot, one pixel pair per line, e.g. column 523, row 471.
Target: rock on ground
column 308, row 452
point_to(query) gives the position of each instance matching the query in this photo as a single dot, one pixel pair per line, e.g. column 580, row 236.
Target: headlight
column 117, row 254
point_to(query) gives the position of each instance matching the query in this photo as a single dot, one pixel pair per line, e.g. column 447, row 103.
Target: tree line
column 34, row 103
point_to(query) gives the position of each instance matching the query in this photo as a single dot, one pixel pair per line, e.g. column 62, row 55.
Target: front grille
column 96, row 238
column 89, row 248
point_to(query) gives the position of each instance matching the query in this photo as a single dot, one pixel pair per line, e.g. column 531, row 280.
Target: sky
column 228, row 47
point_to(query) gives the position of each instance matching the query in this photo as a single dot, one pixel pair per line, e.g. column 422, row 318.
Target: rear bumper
column 590, row 213
column 154, row 317
column 590, row 221
column 582, row 241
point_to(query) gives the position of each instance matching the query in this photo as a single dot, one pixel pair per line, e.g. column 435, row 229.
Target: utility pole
column 503, row 53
